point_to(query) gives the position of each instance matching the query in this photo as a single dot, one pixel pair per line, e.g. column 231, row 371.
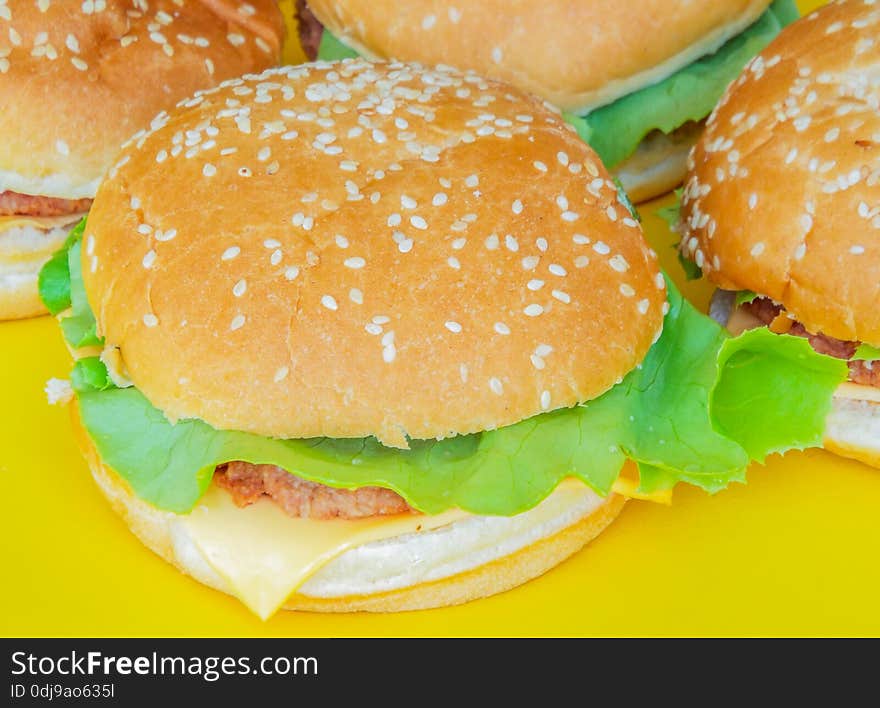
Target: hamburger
column 781, row 209
column 359, row 353
column 77, row 80
column 636, row 79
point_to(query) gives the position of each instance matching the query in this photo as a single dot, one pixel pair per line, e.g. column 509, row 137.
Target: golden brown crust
column 576, row 54
column 154, row 529
column 366, row 263
column 74, row 86
column 782, row 198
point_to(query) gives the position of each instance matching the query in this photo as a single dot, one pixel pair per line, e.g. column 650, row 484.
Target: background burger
column 77, row 80
column 360, row 353
column 635, row 78
column 782, row 206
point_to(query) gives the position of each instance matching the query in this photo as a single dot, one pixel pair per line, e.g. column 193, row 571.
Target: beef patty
column 15, row 204
column 310, row 30
column 297, row 497
column 860, row 372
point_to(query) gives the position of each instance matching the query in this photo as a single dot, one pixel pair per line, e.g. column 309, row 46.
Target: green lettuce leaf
column 866, row 352
column 332, row 49
column 763, row 377
column 61, row 287
column 614, row 131
column 744, row 296
column 54, row 280
column 89, row 374
column 79, row 327
column 659, row 416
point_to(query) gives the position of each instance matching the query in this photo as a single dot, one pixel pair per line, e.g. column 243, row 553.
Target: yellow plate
column 792, row 553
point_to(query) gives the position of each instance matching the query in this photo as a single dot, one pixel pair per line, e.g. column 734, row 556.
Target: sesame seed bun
column 578, row 55
column 465, row 560
column 782, row 196
column 78, row 78
column 354, row 249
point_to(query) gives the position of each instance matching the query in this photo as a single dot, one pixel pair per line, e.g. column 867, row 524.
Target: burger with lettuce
column 358, row 353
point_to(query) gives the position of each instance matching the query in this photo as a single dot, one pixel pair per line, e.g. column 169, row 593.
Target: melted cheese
column 40, row 222
column 263, row 555
column 253, row 550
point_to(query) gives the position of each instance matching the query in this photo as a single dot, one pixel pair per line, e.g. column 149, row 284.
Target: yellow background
column 792, row 553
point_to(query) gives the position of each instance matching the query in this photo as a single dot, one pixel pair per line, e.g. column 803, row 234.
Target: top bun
column 578, row 55
column 784, row 192
column 348, row 249
column 78, row 78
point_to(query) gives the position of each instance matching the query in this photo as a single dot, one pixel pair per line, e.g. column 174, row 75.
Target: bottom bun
column 469, row 558
column 23, row 251
column 659, row 164
column 853, row 427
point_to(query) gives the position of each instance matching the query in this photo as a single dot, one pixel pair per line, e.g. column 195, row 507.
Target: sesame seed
column 356, row 296
column 237, row 322
column 643, row 306
column 572, row 216
column 757, row 249
column 502, row 328
column 453, row 262
column 535, row 285
column 329, row 302
column 540, row 166
column 545, row 400
column 533, row 310
column 472, row 181
column 496, row 386
column 562, row 202
column 418, row 222
column 439, row 199
column 150, row 320
column 659, row 281
column 517, row 206
column 562, row 296
column 281, row 374
column 291, row 272
column 355, row 263
column 209, row 170
column 581, row 262
column 601, row 248
column 530, row 262
column 230, row 253
column 239, row 288
column 557, row 269
column 618, row 263
column 857, row 250
column 453, row 326
column 562, row 157
column 626, row 290
column 407, row 203
column 149, row 259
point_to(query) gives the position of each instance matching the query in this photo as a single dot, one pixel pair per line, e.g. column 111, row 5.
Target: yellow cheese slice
column 264, row 555
column 40, row 222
